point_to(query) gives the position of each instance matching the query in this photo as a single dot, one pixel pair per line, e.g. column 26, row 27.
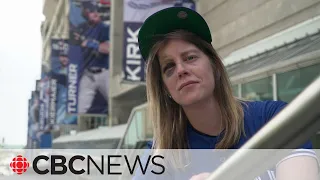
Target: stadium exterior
column 271, row 50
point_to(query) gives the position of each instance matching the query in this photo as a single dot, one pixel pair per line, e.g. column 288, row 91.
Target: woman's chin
column 190, row 99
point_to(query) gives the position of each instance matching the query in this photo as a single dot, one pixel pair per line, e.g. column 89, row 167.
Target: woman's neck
column 205, row 117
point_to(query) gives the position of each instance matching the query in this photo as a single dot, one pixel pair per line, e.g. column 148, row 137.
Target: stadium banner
column 135, row 13
column 44, row 91
column 88, row 69
column 46, row 120
column 29, row 140
column 33, row 124
column 45, row 126
column 42, row 104
column 29, row 131
column 39, row 133
column 58, row 83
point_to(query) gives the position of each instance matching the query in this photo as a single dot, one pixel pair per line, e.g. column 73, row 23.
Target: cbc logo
column 19, row 164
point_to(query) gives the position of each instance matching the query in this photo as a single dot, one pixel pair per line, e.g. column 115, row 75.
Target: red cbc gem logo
column 19, row 164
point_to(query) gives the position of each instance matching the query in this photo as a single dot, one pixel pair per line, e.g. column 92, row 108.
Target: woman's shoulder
column 267, row 108
column 263, row 103
column 259, row 113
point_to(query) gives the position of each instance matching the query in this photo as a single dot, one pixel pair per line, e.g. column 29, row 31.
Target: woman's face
column 186, row 72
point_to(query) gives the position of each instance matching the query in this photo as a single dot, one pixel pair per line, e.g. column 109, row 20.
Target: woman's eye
column 167, row 67
column 191, row 57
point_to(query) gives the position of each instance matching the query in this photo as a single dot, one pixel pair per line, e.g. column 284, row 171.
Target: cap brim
column 169, row 20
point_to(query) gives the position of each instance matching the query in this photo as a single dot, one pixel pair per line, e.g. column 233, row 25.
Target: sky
column 20, row 62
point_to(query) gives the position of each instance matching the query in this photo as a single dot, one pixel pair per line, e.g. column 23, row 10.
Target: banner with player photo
column 88, row 69
column 46, row 118
column 48, row 97
column 33, row 121
column 58, row 74
column 39, row 131
column 28, row 146
column 43, row 91
column 30, row 122
column 135, row 13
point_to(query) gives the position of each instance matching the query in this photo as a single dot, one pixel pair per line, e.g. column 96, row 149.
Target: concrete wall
column 122, row 96
column 55, row 25
column 237, row 23
column 49, row 7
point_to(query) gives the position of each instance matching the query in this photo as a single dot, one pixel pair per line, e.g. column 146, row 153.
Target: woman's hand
column 201, row 176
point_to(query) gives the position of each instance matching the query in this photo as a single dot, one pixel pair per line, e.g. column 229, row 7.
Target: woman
column 189, row 94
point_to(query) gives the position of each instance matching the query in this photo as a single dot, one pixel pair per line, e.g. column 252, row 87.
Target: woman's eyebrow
column 164, row 59
column 163, row 56
column 189, row 51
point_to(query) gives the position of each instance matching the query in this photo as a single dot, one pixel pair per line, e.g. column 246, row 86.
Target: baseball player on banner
column 92, row 35
column 59, row 67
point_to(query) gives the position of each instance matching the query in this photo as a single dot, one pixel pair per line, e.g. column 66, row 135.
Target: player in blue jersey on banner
column 93, row 37
column 190, row 97
column 60, row 74
column 62, row 117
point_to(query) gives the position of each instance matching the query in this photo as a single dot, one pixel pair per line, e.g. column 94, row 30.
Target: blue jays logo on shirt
column 59, row 47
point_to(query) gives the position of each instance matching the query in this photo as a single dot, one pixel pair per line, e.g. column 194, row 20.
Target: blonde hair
column 169, row 119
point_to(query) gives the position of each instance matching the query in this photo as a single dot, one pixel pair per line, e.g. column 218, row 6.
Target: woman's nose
column 181, row 69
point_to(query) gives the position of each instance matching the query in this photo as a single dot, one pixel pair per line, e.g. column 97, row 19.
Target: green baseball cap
column 169, row 20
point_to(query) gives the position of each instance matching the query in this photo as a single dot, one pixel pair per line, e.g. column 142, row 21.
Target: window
column 292, row 83
column 149, row 128
column 258, row 90
column 235, row 90
column 140, row 124
column 131, row 135
column 135, row 130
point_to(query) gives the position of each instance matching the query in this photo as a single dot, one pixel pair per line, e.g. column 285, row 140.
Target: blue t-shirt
column 91, row 57
column 256, row 115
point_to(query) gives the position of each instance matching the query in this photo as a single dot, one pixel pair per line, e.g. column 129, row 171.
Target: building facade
column 56, row 26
